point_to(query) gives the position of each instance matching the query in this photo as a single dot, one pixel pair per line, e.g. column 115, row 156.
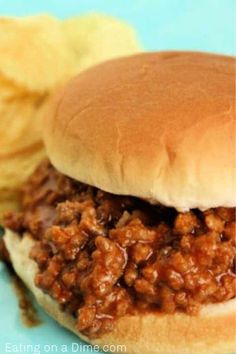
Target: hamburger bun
column 158, row 126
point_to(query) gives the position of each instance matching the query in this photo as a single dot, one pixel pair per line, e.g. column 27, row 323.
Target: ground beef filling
column 101, row 256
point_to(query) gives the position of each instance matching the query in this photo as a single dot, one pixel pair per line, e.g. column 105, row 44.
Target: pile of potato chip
column 38, row 54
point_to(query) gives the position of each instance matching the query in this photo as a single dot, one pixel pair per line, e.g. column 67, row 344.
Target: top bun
column 159, row 126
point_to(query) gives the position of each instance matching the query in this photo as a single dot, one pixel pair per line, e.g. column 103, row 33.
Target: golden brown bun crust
column 213, row 331
column 159, row 126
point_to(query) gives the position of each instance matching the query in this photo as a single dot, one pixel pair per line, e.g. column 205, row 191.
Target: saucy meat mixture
column 101, row 256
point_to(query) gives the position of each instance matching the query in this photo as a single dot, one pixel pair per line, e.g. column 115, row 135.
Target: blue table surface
column 161, row 24
column 206, row 25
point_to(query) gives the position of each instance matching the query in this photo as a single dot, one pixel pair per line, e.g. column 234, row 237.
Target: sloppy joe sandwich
column 126, row 234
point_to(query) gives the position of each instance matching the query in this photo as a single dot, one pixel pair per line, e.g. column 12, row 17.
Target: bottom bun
column 212, row 331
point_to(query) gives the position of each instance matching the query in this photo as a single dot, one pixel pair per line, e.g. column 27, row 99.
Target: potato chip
column 20, row 124
column 34, row 52
column 9, row 89
column 96, row 37
column 8, row 205
column 16, row 168
column 8, row 194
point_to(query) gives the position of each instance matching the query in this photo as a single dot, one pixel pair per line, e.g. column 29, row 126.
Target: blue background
column 206, row 25
column 162, row 24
